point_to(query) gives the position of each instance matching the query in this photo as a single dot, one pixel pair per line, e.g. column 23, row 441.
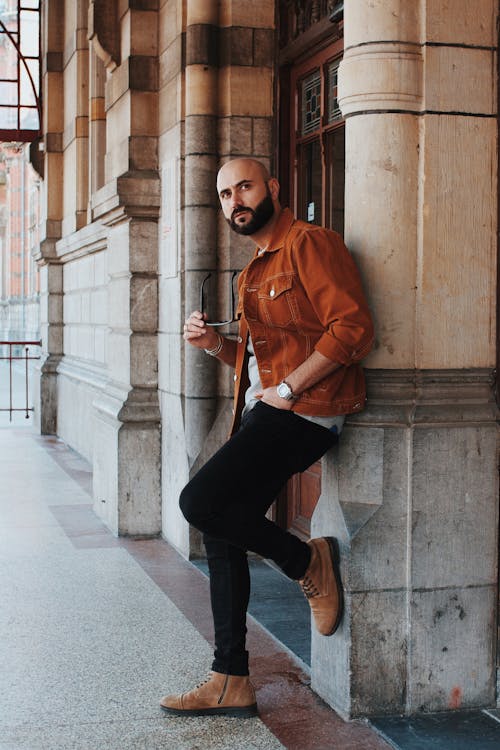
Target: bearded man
column 304, row 326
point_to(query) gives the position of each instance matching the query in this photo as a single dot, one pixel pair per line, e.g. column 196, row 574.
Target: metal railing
column 18, row 351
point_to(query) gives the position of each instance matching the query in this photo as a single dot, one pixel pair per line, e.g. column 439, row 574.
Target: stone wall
column 415, row 494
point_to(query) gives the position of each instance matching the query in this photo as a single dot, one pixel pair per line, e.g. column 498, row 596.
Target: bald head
column 249, row 167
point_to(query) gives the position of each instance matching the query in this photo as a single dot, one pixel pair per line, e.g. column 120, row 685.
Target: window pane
column 29, row 118
column 8, row 117
column 309, row 181
column 35, row 4
column 335, row 172
column 27, row 94
column 29, row 33
column 8, row 92
column 334, row 112
column 311, row 103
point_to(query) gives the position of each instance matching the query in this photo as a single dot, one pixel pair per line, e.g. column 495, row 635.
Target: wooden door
column 314, row 174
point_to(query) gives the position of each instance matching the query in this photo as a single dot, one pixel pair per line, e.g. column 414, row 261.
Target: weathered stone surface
column 245, row 91
column 457, row 258
column 175, row 472
column 381, row 181
column 460, row 22
column 460, row 80
column 454, row 507
column 234, row 136
column 451, row 635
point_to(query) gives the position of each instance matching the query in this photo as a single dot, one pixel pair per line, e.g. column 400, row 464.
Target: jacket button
column 235, row 378
column 272, row 293
column 239, row 340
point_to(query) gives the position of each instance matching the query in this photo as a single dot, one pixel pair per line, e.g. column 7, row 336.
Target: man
column 304, row 325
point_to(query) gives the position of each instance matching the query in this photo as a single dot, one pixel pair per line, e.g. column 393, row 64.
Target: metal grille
column 20, row 109
column 18, row 353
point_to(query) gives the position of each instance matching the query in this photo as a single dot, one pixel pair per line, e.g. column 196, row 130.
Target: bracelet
column 217, row 349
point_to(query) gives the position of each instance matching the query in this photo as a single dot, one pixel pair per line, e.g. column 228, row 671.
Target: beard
column 260, row 216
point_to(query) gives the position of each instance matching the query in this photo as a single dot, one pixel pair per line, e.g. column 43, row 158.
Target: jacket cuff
column 332, row 349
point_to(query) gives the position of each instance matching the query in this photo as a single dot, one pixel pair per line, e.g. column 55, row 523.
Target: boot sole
column 335, row 555
column 238, row 712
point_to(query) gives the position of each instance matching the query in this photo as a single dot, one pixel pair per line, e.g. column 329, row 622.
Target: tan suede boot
column 219, row 694
column 322, row 585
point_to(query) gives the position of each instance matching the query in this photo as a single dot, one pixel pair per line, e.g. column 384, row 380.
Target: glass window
column 311, row 182
column 334, row 112
column 317, row 145
column 20, row 113
column 311, row 103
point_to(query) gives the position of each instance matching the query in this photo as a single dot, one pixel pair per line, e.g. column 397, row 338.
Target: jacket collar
column 281, row 229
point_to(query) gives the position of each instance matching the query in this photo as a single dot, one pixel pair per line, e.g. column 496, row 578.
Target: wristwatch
column 284, row 391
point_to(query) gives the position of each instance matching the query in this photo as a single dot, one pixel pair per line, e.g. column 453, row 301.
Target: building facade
column 380, row 120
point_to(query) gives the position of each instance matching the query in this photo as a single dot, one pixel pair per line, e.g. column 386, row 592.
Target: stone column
column 127, row 419
column 51, row 211
column 200, row 212
column 413, row 492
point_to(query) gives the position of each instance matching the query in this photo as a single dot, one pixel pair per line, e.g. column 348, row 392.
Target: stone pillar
column 51, row 211
column 413, row 491
column 127, row 420
column 200, row 215
column 76, row 117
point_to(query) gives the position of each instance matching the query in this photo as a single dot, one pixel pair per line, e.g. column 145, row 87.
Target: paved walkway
column 95, row 630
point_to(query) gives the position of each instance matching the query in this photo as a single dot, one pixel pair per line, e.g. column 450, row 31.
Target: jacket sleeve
column 333, row 286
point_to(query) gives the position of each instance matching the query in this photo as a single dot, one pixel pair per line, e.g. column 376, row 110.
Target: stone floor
column 95, row 630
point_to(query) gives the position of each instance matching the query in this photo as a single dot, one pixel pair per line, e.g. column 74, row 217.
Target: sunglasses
column 203, row 300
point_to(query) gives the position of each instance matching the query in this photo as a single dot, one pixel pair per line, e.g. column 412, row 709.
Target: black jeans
column 227, row 500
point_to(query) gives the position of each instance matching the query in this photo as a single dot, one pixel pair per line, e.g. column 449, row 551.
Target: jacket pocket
column 277, row 303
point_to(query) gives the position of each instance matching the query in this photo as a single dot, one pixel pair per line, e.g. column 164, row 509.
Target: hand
column 197, row 333
column 270, row 396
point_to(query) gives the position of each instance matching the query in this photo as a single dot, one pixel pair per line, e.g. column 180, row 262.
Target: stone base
column 126, row 465
column 415, row 507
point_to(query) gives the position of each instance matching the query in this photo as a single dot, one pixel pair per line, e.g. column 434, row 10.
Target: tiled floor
column 96, row 629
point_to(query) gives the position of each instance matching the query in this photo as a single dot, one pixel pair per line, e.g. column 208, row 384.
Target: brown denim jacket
column 303, row 294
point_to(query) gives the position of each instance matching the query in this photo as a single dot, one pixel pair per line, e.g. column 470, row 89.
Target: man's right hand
column 197, row 333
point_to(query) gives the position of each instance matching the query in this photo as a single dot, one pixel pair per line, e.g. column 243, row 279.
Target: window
column 20, row 111
column 317, row 141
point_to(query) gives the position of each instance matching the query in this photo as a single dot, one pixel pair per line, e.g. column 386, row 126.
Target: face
column 245, row 197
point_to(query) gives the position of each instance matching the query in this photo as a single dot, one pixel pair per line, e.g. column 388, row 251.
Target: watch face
column 284, row 391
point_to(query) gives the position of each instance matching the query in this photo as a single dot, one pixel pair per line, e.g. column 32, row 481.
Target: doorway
column 312, row 172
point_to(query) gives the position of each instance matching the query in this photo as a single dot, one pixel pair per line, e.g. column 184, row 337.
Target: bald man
column 304, row 326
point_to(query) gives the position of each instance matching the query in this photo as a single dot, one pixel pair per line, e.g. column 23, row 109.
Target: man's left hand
column 270, row 396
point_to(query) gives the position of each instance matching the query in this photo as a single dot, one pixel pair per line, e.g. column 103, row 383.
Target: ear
column 274, row 188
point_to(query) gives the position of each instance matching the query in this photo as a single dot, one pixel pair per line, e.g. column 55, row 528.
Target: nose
column 234, row 201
